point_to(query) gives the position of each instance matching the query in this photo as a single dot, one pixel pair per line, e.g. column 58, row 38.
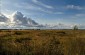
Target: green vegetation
column 75, row 27
column 42, row 42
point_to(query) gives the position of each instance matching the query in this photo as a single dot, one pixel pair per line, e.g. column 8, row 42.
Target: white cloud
column 20, row 21
column 51, row 12
column 42, row 4
column 35, row 8
column 27, row 6
column 3, row 18
column 59, row 13
column 74, row 7
column 80, row 15
column 19, row 18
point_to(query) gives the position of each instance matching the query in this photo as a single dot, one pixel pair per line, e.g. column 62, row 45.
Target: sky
column 47, row 11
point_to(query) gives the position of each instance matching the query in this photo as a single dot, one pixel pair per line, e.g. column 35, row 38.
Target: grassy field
column 42, row 42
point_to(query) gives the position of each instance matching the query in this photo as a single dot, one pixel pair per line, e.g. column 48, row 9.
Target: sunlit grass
column 42, row 42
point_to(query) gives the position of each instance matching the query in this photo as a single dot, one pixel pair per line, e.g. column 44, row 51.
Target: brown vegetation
column 42, row 42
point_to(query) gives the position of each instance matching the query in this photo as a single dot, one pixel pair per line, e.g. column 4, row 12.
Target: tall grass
column 42, row 42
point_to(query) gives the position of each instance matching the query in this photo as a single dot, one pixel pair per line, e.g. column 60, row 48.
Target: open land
column 42, row 42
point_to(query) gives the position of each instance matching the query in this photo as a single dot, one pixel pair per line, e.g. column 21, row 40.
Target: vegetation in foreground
column 42, row 42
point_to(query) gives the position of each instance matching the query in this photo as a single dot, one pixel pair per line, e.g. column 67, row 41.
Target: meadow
column 42, row 42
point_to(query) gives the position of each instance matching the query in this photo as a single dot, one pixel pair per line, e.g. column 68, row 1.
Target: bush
column 18, row 33
column 75, row 27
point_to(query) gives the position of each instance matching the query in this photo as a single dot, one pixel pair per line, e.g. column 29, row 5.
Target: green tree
column 75, row 27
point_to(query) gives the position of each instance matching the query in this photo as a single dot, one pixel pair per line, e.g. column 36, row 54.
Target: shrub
column 75, row 27
column 18, row 33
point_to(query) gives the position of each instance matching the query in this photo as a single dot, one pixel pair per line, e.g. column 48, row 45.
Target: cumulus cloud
column 20, row 19
column 32, row 22
column 3, row 18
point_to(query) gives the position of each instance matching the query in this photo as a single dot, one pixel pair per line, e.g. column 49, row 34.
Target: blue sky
column 48, row 11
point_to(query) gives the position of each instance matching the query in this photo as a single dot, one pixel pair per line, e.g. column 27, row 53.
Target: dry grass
column 42, row 42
